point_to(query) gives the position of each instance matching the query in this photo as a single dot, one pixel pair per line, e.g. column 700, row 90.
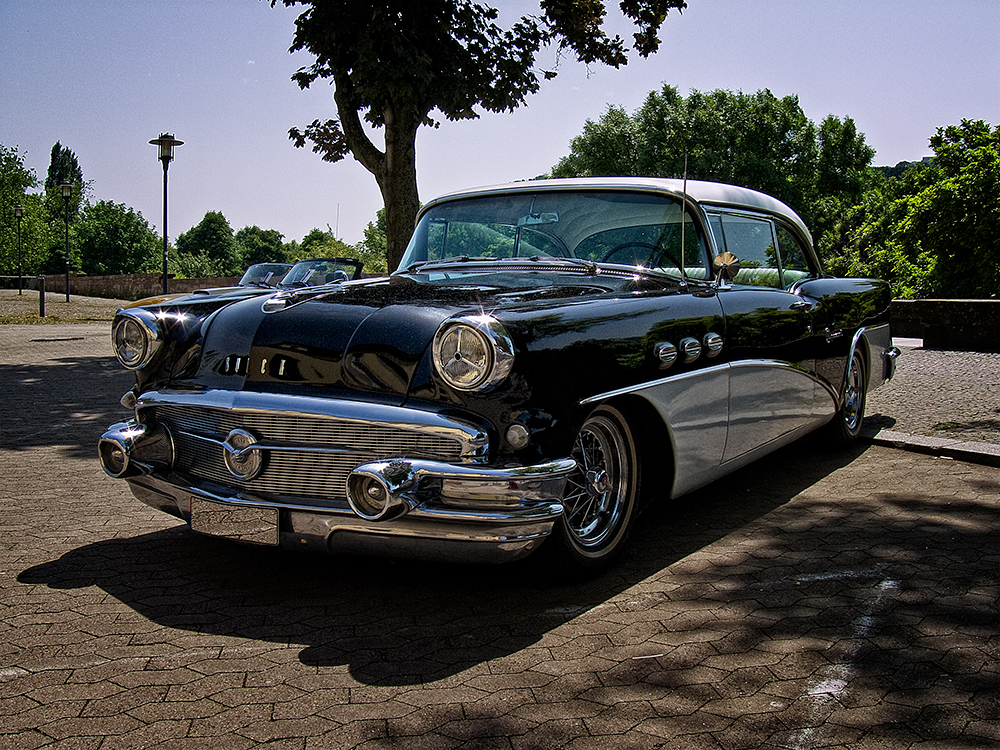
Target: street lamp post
column 67, row 193
column 19, row 214
column 165, row 143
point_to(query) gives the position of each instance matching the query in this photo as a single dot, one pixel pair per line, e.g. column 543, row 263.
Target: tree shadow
column 67, row 402
column 396, row 623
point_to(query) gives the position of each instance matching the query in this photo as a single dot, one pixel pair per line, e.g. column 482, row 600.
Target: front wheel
column 846, row 425
column 602, row 492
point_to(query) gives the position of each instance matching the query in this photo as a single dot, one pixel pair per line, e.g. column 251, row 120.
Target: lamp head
column 165, row 143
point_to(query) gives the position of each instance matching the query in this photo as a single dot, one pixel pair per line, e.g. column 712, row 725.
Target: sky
column 103, row 77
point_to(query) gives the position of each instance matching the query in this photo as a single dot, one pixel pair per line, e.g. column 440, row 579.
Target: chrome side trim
column 711, row 427
column 596, row 399
column 473, row 439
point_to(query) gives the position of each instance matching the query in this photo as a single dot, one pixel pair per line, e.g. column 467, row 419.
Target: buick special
column 548, row 358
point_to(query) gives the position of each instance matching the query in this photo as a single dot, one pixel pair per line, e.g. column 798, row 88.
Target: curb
column 986, row 454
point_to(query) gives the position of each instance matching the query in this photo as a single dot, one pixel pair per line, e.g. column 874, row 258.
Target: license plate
column 241, row 522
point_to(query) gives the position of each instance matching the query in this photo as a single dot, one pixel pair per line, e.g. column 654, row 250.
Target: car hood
column 366, row 340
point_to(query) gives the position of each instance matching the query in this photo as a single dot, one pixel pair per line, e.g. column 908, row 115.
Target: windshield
column 630, row 228
column 264, row 274
column 316, row 271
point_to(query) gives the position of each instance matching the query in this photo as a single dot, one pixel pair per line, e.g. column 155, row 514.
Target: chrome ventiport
column 690, row 349
column 666, row 353
column 713, row 344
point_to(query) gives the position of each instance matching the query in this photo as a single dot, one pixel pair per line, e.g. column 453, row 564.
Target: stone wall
column 955, row 324
column 130, row 286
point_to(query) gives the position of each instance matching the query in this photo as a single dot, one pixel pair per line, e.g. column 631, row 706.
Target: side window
column 751, row 239
column 795, row 266
column 715, row 221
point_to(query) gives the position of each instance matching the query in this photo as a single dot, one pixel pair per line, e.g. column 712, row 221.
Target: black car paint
column 587, row 335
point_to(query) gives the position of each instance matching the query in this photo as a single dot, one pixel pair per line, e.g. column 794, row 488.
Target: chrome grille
column 295, row 473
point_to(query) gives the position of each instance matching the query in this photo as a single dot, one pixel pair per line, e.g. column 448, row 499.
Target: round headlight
column 473, row 353
column 136, row 337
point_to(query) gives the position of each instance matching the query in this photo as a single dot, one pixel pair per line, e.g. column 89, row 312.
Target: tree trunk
column 399, row 185
column 395, row 170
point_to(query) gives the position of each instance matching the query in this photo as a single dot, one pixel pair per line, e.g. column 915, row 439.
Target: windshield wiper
column 443, row 262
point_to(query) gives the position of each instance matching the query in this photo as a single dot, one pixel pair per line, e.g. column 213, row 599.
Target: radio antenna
column 684, row 189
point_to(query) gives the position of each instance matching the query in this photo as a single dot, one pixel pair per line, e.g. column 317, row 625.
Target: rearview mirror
column 727, row 266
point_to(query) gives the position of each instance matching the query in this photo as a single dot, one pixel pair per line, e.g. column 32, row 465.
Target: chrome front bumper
column 430, row 530
column 457, row 510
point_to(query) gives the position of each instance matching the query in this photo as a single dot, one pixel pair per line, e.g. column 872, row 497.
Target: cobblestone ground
column 941, row 394
column 813, row 600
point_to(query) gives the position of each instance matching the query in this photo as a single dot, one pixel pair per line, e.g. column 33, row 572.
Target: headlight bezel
column 139, row 332
column 482, row 332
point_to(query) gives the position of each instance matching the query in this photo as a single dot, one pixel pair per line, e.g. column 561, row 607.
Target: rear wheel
column 602, row 493
column 846, row 426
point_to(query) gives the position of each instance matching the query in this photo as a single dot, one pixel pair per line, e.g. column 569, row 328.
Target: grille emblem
column 242, row 460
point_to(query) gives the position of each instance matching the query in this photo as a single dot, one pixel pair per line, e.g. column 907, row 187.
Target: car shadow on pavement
column 405, row 622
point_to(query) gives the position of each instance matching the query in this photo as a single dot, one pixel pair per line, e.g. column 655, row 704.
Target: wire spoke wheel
column 846, row 426
column 854, row 396
column 601, row 493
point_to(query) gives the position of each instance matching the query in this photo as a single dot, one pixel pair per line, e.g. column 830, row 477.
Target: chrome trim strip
column 265, row 446
column 653, row 384
column 532, row 512
column 694, row 374
column 474, row 440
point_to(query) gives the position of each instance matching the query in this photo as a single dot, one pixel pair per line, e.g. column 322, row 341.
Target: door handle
column 800, row 305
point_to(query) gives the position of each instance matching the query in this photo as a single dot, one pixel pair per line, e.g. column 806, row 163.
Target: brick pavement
column 814, row 600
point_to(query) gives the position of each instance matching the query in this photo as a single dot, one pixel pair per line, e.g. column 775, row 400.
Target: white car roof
column 705, row 193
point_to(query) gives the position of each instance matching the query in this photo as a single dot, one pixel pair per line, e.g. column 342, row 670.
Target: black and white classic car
column 548, row 357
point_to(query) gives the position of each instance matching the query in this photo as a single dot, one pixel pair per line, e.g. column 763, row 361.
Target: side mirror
column 727, row 266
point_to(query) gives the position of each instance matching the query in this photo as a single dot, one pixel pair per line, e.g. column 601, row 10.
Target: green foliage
column 932, row 230
column 63, row 169
column 755, row 140
column 395, row 63
column 954, row 221
column 372, row 249
column 256, row 245
column 209, row 249
column 15, row 180
column 322, row 244
column 111, row 238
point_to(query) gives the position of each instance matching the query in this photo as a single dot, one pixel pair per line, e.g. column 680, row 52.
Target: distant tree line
column 929, row 227
column 108, row 238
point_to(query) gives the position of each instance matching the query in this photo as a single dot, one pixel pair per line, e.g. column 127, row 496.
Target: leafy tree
column 256, row 245
column 862, row 239
column 931, row 227
column 322, row 244
column 15, row 180
column 209, row 249
column 954, row 221
column 317, row 244
column 64, row 169
column 755, row 140
column 112, row 238
column 372, row 249
column 394, row 62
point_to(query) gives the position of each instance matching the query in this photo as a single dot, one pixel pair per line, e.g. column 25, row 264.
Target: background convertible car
column 549, row 356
